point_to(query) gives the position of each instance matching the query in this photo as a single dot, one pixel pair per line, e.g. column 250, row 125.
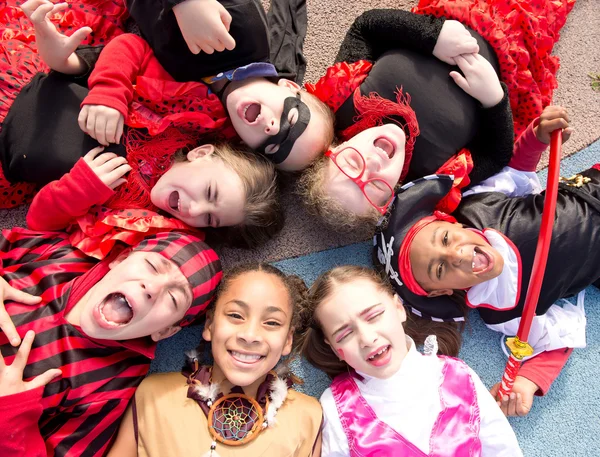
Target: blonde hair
column 311, row 342
column 318, row 107
column 263, row 214
column 311, row 187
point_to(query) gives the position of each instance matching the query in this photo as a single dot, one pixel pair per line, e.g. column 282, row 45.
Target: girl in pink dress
column 387, row 398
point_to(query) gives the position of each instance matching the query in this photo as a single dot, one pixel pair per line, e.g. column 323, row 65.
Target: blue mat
column 564, row 423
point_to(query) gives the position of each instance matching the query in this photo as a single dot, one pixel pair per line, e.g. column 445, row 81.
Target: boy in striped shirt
column 96, row 325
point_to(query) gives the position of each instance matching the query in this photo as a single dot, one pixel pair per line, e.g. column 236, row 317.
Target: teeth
column 473, row 264
column 246, row 357
column 379, row 353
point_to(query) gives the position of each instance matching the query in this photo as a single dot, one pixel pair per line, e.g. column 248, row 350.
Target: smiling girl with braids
column 238, row 406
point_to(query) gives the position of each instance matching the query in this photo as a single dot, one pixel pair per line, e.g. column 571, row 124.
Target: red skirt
column 19, row 61
column 522, row 33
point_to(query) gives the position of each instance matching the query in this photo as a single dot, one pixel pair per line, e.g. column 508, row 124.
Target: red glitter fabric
column 522, row 33
column 20, row 62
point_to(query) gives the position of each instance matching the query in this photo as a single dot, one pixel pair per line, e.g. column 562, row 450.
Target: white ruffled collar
column 411, row 367
column 502, row 292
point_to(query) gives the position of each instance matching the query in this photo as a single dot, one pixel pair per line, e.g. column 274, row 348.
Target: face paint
column 288, row 134
column 340, row 353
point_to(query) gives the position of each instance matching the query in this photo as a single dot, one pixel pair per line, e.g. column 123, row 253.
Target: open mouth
column 115, row 310
column 246, row 358
column 482, row 262
column 379, row 355
column 175, row 201
column 384, row 145
column 251, row 112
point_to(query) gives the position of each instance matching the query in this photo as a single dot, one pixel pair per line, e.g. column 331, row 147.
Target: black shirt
column 41, row 139
column 400, row 44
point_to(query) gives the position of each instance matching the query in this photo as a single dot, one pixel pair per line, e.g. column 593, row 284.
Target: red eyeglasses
column 352, row 163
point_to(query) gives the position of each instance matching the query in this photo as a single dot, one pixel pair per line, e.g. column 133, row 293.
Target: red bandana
column 404, row 266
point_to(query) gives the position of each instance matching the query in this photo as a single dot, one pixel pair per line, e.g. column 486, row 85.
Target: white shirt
column 560, row 326
column 409, row 402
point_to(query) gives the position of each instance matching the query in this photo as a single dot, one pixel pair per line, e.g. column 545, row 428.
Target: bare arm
column 125, row 444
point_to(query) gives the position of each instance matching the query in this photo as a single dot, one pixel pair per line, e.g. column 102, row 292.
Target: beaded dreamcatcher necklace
column 235, row 419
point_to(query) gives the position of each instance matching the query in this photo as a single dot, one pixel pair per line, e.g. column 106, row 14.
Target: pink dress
column 455, row 433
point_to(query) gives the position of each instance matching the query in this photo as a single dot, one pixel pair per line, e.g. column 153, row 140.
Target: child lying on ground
column 129, row 86
column 97, row 324
column 250, row 327
column 481, row 257
column 230, row 188
column 386, row 398
column 403, row 110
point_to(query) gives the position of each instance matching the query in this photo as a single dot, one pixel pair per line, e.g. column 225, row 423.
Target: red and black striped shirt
column 81, row 409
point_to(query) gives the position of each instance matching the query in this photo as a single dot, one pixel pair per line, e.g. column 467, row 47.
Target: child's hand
column 11, row 376
column 109, row 167
column 204, row 25
column 454, row 40
column 521, row 398
column 7, row 292
column 553, row 118
column 480, row 80
column 102, row 123
column 56, row 49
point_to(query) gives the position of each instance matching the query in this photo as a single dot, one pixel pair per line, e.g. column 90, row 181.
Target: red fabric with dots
column 19, row 61
column 523, row 33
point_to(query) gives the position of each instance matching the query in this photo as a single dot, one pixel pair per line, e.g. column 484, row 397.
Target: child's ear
column 401, row 308
column 200, row 151
column 165, row 333
column 440, row 292
column 288, row 83
column 122, row 256
column 207, row 332
column 287, row 348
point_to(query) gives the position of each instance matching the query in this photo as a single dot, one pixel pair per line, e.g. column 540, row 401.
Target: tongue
column 387, row 147
column 252, row 112
column 480, row 261
column 174, row 200
column 116, row 310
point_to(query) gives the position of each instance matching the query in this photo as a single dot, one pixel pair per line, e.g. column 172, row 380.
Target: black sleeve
column 89, row 56
column 169, row 4
column 492, row 147
column 377, row 31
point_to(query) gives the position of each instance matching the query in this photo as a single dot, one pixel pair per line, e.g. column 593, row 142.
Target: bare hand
column 56, row 49
column 520, row 400
column 7, row 292
column 109, row 167
column 480, row 80
column 11, row 376
column 454, row 40
column 553, row 118
column 204, row 25
column 102, row 123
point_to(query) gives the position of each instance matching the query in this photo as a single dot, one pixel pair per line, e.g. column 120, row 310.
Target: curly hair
column 311, row 187
column 295, row 285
